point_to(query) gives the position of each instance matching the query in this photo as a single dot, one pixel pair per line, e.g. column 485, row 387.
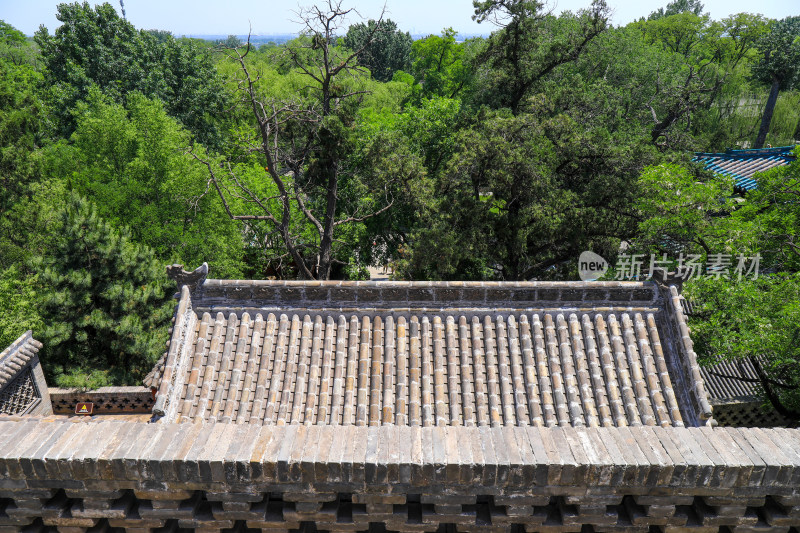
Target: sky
column 216, row 17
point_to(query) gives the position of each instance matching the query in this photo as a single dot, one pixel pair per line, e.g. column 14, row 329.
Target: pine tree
column 107, row 302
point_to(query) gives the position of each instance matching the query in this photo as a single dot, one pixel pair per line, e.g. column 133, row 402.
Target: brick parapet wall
column 299, row 294
column 105, row 399
column 682, row 361
column 218, row 476
column 177, row 352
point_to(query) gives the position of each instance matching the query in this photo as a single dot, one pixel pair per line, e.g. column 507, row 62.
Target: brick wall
column 100, row 475
column 105, row 399
column 365, row 294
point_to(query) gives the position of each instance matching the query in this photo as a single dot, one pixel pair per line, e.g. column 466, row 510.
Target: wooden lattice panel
column 19, row 395
column 748, row 415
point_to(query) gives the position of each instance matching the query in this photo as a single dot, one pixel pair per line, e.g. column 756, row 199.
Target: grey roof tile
column 560, row 361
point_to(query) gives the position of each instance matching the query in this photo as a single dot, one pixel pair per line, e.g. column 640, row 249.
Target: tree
column 522, row 196
column 750, row 316
column 19, row 301
column 107, row 302
column 442, row 66
column 14, row 47
column 313, row 192
column 24, row 129
column 757, row 321
column 778, row 66
column 385, row 49
column 131, row 162
column 95, row 47
column 232, row 41
column 680, row 210
column 691, row 58
column 676, row 7
column 531, row 45
column 23, row 123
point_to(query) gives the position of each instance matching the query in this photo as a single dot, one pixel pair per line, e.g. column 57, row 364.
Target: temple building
column 410, row 407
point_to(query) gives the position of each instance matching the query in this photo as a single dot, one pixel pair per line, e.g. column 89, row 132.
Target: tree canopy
column 107, row 302
column 384, row 48
column 778, row 66
column 94, row 47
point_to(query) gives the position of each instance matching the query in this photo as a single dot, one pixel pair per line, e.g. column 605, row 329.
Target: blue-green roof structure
column 743, row 164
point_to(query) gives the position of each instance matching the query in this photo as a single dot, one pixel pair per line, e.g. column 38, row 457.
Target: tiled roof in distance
column 428, row 354
column 731, row 380
column 743, row 164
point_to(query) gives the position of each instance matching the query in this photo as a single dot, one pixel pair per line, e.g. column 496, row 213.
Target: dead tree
column 298, row 142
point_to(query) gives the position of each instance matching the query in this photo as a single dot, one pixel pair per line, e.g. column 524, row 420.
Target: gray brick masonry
column 64, row 474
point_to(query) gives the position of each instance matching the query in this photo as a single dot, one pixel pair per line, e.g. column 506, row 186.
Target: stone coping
column 422, row 294
column 131, row 389
column 43, row 453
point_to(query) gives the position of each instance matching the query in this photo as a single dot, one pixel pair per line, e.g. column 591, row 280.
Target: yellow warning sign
column 84, row 408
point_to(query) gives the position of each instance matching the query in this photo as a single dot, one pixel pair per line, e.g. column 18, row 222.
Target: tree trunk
column 773, row 398
column 796, row 135
column 769, row 109
column 326, row 243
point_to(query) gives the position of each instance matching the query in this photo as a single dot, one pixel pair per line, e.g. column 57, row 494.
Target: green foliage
column 94, row 47
column 132, row 163
column 23, row 117
column 383, row 48
column 530, row 46
column 26, row 227
column 756, row 320
column 441, row 65
column 683, row 212
column 22, row 121
column 20, row 304
column 523, row 196
column 769, row 220
column 24, row 128
column 736, row 318
column 309, row 204
column 698, row 58
column 778, row 66
column 106, row 301
column 779, row 54
column 430, row 128
column 679, row 210
column 10, row 35
column 15, row 47
column 677, row 7
column 231, row 42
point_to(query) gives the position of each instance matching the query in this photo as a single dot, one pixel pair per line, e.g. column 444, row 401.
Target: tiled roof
column 743, row 164
column 19, row 392
column 727, row 381
column 153, row 378
column 428, row 354
column 731, row 380
column 17, row 356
